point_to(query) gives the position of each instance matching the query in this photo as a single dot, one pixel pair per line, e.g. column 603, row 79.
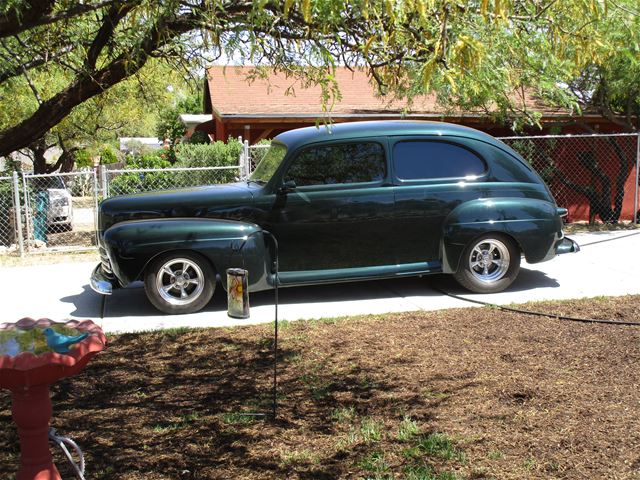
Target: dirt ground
column 457, row 394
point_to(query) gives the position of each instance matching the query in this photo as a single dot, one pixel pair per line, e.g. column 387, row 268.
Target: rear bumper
column 100, row 282
column 566, row 245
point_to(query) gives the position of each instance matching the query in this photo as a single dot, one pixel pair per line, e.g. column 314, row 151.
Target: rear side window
column 334, row 164
column 424, row 160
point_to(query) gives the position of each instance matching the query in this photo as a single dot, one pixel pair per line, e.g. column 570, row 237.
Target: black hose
column 550, row 315
column 539, row 314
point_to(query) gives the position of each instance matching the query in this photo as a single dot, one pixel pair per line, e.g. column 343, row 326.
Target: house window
column 337, row 164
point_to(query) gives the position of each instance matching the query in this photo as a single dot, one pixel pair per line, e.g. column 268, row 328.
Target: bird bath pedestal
column 28, row 365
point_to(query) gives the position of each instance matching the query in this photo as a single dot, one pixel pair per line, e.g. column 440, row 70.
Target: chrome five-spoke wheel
column 489, row 264
column 181, row 282
column 489, row 260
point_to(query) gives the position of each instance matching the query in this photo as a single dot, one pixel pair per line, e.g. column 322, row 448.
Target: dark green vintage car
column 355, row 201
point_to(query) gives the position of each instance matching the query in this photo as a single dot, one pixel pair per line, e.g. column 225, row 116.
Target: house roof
column 232, row 94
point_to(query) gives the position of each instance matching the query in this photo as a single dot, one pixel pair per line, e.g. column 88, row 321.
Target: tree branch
column 38, row 13
column 84, row 87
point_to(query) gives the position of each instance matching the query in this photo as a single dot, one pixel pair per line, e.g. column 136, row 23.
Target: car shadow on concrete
column 132, row 301
column 528, row 279
column 88, row 304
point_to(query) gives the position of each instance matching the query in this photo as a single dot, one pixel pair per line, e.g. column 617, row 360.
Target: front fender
column 225, row 243
column 534, row 224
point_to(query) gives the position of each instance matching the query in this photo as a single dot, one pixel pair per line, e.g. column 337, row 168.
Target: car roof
column 343, row 131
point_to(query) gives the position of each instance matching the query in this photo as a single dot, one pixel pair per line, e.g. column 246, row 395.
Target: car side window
column 425, row 160
column 342, row 163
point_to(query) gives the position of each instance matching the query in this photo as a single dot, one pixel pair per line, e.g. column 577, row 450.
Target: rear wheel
column 179, row 282
column 489, row 264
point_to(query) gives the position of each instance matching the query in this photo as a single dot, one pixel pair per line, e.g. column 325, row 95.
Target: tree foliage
column 485, row 55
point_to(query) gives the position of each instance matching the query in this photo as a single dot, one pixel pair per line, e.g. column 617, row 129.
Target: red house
column 259, row 108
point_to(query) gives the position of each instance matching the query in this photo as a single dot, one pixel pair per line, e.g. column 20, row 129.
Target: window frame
column 339, row 186
column 456, row 142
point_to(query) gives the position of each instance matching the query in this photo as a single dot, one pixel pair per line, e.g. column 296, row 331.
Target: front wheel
column 489, row 264
column 179, row 282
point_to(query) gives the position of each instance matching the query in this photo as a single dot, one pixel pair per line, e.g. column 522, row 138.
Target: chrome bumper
column 99, row 283
column 566, row 245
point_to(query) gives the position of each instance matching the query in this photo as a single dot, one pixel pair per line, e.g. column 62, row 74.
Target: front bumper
column 566, row 245
column 100, row 282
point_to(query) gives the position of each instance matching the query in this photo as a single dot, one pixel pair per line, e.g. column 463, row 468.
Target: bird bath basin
column 33, row 355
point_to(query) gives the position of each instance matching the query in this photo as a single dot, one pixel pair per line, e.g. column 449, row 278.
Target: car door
column 336, row 208
column 432, row 176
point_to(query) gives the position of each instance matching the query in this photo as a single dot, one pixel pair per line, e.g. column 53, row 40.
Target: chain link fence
column 251, row 156
column 594, row 176
column 8, row 237
column 59, row 211
column 122, row 182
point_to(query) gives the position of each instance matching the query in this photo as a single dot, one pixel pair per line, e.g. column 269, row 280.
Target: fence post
column 17, row 210
column 103, row 179
column 95, row 203
column 635, row 197
column 247, row 160
column 27, row 210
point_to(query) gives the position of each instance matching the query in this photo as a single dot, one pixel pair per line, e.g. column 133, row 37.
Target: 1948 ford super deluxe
column 355, row 201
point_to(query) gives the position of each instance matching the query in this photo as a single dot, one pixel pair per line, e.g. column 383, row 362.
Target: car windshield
column 269, row 163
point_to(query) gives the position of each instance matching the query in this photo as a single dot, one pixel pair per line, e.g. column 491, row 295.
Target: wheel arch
column 453, row 250
column 532, row 224
column 133, row 245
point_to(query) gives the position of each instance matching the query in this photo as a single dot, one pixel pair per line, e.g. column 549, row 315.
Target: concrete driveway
column 609, row 264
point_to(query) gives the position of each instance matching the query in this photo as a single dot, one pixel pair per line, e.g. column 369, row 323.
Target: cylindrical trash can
column 237, row 293
column 40, row 217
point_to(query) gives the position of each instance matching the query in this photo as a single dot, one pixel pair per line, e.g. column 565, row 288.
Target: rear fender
column 534, row 225
column 225, row 243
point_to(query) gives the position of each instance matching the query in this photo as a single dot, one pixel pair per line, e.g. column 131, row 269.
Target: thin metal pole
column 27, row 208
column 275, row 343
column 636, row 207
column 17, row 210
column 95, row 203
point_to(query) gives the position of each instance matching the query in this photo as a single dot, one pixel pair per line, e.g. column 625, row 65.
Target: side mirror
column 287, row 187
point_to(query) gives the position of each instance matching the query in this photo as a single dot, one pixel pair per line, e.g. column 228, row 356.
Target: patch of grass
column 496, row 455
column 343, row 414
column 239, row 418
column 370, row 430
column 529, row 464
column 376, row 463
column 424, row 472
column 184, row 422
column 367, row 383
column 348, row 441
column 318, row 385
column 433, row 395
column 299, row 457
column 407, row 429
column 326, row 320
column 441, row 446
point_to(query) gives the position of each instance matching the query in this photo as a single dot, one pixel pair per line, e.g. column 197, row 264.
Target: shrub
column 199, row 138
column 83, row 159
column 134, row 182
column 107, row 156
column 217, row 154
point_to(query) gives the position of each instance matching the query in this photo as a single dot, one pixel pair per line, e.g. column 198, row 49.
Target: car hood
column 229, row 201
